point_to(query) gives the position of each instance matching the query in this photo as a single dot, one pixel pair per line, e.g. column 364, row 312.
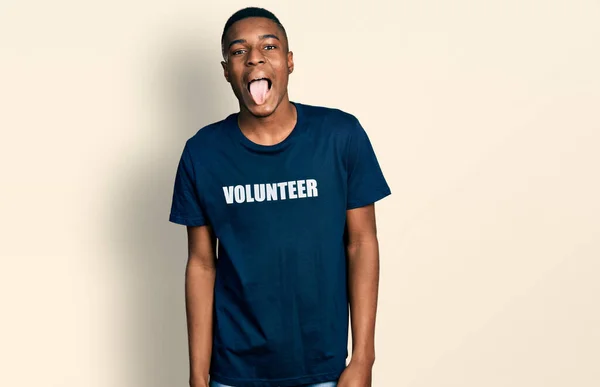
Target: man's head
column 257, row 61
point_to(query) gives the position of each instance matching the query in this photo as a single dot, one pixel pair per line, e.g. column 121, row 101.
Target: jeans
column 325, row 384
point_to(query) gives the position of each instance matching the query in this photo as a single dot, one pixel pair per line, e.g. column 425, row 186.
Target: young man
column 288, row 190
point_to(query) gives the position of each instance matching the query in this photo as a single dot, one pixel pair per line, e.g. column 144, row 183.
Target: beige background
column 486, row 120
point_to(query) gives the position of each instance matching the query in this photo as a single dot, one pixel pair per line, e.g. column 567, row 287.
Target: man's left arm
column 363, row 284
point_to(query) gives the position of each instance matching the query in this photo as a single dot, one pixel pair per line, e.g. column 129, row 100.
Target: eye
column 270, row 47
column 237, row 52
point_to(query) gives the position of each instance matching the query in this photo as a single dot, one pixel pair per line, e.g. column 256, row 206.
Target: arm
column 363, row 278
column 199, row 298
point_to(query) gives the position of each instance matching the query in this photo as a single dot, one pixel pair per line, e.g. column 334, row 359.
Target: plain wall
column 485, row 117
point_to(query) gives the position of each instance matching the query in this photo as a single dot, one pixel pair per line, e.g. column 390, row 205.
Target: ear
column 225, row 70
column 290, row 62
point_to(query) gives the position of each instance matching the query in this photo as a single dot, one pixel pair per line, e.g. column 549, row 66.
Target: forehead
column 252, row 27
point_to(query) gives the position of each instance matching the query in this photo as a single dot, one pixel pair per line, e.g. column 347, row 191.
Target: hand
column 356, row 374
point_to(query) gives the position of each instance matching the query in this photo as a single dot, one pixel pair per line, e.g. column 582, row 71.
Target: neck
column 271, row 129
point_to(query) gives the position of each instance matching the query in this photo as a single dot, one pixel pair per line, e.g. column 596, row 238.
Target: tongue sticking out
column 259, row 90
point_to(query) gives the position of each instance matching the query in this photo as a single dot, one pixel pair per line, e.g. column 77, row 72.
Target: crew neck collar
column 245, row 141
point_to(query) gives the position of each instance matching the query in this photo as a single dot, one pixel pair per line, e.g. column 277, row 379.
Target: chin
column 262, row 110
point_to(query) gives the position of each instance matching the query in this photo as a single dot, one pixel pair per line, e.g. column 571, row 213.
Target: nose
column 254, row 57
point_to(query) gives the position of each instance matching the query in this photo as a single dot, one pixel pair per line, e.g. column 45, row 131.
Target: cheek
column 237, row 83
column 280, row 67
column 235, row 71
column 277, row 61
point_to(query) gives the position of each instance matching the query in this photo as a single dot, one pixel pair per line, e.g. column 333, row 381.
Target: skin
column 257, row 47
column 363, row 280
column 199, row 298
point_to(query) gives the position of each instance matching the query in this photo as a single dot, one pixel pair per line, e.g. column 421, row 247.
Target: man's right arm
column 199, row 299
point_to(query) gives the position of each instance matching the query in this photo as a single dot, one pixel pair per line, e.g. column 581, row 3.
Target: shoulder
column 328, row 115
column 209, row 135
column 332, row 120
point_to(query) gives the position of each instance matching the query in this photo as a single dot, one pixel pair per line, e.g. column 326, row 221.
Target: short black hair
column 246, row 13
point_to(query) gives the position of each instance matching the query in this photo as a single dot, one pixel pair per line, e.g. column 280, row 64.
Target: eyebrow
column 261, row 37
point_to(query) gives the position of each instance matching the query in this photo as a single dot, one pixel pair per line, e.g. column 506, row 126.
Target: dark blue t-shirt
column 279, row 213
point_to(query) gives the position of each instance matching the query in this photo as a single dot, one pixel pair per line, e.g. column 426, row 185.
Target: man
column 288, row 190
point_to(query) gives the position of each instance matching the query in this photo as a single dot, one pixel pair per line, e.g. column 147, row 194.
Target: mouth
column 269, row 83
column 259, row 88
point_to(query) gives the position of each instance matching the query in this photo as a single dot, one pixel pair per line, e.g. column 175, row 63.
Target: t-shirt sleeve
column 185, row 207
column 366, row 183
